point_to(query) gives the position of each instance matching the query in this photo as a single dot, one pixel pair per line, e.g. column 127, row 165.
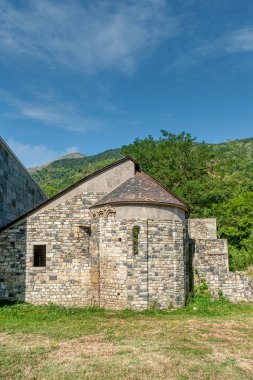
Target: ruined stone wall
column 12, row 263
column 202, row 228
column 18, row 192
column 210, row 262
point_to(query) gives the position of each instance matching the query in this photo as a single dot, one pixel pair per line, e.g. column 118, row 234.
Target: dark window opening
column 13, row 203
column 39, row 255
column 85, row 234
column 136, row 231
column 86, row 229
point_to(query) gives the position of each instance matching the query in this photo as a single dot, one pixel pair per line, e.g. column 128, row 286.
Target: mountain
column 66, row 156
column 63, row 172
column 72, row 155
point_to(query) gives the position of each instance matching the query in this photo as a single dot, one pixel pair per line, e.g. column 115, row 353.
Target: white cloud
column 234, row 42
column 95, row 35
column 51, row 112
column 59, row 116
column 71, row 149
column 240, row 40
column 34, row 155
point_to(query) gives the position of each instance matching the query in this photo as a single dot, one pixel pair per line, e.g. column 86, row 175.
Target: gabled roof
column 141, row 189
column 68, row 189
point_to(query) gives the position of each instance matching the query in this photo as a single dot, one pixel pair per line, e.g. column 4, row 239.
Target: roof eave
column 118, row 203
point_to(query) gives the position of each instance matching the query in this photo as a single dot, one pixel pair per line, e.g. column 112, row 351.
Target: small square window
column 39, row 255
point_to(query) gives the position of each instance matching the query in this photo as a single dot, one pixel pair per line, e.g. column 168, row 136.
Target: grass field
column 208, row 340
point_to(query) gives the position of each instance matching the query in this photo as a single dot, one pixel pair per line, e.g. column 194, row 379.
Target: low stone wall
column 237, row 287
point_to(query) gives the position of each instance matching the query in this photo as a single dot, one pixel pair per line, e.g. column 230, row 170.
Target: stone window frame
column 30, row 258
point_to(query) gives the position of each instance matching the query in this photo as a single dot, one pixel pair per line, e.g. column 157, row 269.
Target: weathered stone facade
column 155, row 277
column 98, row 268
column 135, row 252
column 18, row 191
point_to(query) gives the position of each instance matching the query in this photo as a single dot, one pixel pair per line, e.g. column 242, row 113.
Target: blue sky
column 93, row 75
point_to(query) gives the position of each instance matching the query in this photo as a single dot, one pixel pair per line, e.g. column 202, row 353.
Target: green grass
column 205, row 340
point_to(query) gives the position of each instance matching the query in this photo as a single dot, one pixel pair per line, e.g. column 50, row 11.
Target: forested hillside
column 215, row 180
column 62, row 173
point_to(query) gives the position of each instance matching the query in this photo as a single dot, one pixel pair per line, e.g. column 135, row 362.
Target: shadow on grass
column 4, row 303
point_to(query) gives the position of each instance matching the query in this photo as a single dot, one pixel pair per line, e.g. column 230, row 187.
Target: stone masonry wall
column 18, row 192
column 202, row 228
column 210, row 262
column 166, row 264
column 155, row 277
column 123, row 275
column 237, row 287
column 137, row 264
column 12, row 263
column 112, row 261
column 66, row 279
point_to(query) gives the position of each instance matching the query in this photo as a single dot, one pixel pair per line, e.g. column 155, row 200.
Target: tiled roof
column 144, row 189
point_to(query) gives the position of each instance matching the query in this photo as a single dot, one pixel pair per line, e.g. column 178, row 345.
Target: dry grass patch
column 88, row 346
column 125, row 346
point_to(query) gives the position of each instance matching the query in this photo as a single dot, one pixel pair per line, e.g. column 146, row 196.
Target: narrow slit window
column 84, row 236
column 136, row 231
column 39, row 255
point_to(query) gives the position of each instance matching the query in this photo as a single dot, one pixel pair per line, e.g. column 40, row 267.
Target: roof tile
column 141, row 188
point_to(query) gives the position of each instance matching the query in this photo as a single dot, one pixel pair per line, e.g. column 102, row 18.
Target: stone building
column 18, row 191
column 116, row 239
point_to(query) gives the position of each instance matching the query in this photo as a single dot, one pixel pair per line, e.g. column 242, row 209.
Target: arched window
column 136, row 231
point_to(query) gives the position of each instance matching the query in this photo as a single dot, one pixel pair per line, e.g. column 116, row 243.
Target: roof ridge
column 167, row 189
column 132, row 192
